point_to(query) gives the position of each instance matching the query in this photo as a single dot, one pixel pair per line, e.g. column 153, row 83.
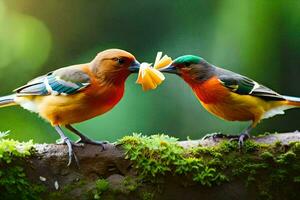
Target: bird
column 229, row 95
column 76, row 93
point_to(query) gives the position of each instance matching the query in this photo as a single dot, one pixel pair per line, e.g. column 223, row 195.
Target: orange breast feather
column 210, row 91
column 95, row 100
column 227, row 105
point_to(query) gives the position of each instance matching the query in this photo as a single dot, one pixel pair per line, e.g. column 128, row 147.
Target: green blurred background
column 258, row 38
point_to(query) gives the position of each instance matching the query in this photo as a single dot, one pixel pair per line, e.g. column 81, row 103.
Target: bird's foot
column 242, row 138
column 86, row 140
column 61, row 141
column 215, row 136
column 239, row 138
column 70, row 144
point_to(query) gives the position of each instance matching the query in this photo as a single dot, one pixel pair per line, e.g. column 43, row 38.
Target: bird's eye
column 187, row 64
column 120, row 60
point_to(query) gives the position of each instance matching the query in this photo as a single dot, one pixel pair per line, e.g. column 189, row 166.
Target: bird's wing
column 246, row 86
column 65, row 81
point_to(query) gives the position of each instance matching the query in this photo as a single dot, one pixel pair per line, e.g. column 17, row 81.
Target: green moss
column 295, row 147
column 267, row 155
column 101, row 186
column 250, row 146
column 159, row 154
column 130, row 184
column 278, row 144
column 152, row 155
column 13, row 181
column 148, row 196
column 286, row 158
column 261, row 166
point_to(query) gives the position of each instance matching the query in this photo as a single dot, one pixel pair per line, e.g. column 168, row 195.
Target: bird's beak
column 134, row 67
column 169, row 69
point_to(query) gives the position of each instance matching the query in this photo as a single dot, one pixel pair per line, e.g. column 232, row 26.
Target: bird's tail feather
column 293, row 101
column 7, row 100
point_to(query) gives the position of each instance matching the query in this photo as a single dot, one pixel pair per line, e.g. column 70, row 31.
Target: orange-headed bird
column 77, row 93
column 229, row 95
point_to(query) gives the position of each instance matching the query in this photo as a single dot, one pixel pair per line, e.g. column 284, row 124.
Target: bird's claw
column 242, row 138
column 239, row 138
column 62, row 141
column 71, row 153
column 215, row 136
column 85, row 140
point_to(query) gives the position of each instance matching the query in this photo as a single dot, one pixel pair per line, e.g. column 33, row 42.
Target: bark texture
column 49, row 168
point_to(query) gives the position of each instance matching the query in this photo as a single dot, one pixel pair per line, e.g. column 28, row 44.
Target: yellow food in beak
column 149, row 77
column 162, row 62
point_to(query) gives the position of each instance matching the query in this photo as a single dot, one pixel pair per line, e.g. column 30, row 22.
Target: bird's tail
column 293, row 101
column 7, row 100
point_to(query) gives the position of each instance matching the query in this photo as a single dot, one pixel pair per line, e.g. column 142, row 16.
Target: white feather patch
column 66, row 83
column 28, row 105
column 48, row 87
column 276, row 111
column 256, row 86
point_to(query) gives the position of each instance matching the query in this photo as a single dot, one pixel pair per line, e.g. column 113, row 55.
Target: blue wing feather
column 54, row 84
column 245, row 86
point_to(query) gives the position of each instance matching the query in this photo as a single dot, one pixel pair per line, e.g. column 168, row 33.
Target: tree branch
column 49, row 168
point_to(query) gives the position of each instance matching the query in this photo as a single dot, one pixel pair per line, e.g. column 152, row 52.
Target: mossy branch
column 160, row 167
